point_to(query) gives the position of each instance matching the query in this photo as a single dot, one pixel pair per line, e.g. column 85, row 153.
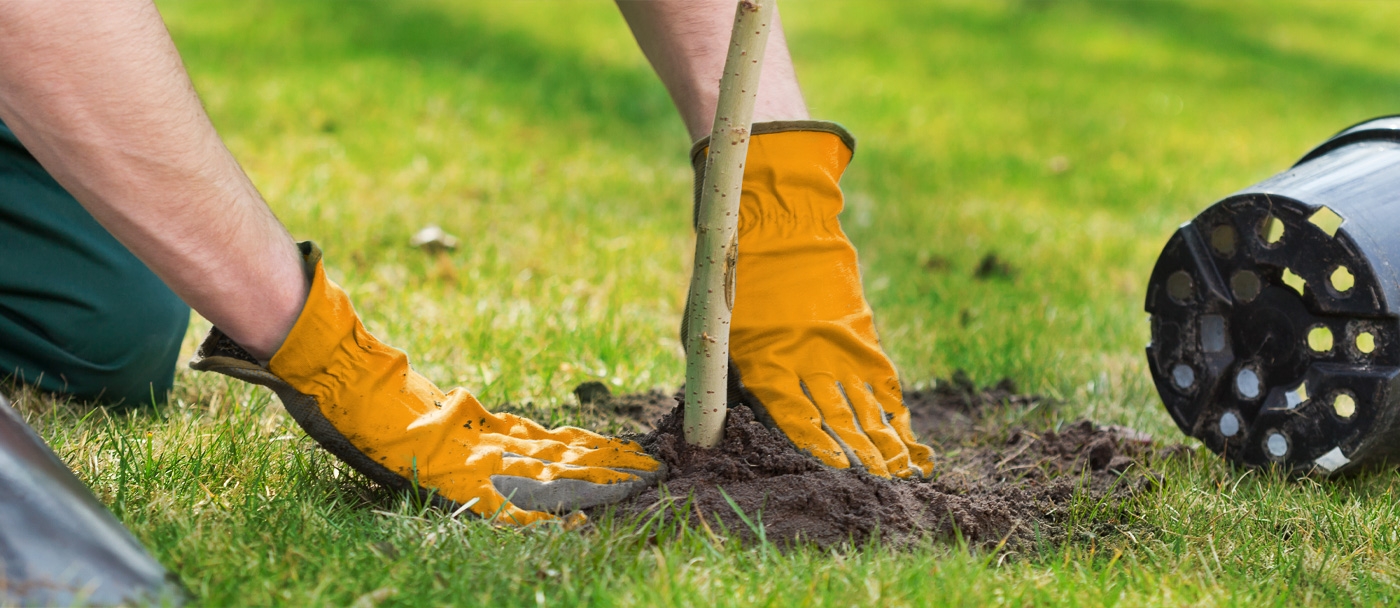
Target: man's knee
column 119, row 346
column 79, row 314
column 132, row 355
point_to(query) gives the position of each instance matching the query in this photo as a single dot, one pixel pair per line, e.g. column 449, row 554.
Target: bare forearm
column 97, row 92
column 686, row 42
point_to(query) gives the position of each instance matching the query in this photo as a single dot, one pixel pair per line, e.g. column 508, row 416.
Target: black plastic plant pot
column 1275, row 333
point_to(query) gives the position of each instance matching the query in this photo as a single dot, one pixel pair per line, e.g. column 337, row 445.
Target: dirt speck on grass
column 993, row 266
column 1015, row 485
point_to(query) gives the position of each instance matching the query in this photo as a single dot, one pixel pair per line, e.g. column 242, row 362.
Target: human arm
column 686, row 44
column 98, row 94
column 804, row 353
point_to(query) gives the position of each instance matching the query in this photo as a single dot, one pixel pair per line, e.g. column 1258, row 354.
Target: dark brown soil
column 990, row 486
column 951, row 411
column 637, row 413
column 993, row 267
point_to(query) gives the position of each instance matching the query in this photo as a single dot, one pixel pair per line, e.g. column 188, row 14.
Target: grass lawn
column 1068, row 138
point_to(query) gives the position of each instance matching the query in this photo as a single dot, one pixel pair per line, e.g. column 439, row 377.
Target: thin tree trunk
column 717, row 238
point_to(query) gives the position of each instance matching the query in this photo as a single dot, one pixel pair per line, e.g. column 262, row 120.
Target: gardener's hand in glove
column 802, row 340
column 361, row 401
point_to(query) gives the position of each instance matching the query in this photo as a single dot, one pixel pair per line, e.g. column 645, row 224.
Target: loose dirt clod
column 1019, row 488
column 593, row 393
column 993, row 266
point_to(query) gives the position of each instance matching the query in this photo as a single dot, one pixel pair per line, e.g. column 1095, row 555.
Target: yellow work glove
column 360, row 400
column 803, row 349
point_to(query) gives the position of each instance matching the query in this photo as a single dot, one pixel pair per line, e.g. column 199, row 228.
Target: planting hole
column 1229, row 424
column 1327, row 220
column 1296, row 396
column 1293, row 280
column 1247, row 383
column 1212, row 333
column 1344, row 405
column 1365, row 342
column 1342, row 281
column 1180, row 287
column 1320, row 339
column 1183, row 376
column 1277, row 445
column 1271, row 231
column 1222, row 239
column 1245, row 284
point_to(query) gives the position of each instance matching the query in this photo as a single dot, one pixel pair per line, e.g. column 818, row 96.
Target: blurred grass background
column 1066, row 138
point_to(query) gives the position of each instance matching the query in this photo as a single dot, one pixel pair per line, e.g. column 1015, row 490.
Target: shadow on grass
column 1017, row 33
column 1230, row 35
column 558, row 82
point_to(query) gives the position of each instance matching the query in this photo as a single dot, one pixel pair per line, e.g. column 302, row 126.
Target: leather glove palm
column 360, row 400
column 804, row 352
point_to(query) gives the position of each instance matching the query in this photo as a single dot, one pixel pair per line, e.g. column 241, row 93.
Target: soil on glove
column 990, row 486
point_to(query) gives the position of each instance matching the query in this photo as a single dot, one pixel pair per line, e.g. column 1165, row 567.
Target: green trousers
column 79, row 314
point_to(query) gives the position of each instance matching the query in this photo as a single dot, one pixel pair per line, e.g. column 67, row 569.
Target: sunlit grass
column 1067, row 138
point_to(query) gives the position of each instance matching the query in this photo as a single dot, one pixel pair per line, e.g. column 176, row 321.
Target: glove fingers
column 536, row 485
column 521, row 501
column 474, row 488
column 523, row 466
column 525, row 428
column 800, row 419
column 563, row 495
column 516, row 489
column 892, row 400
column 585, row 440
column 609, row 453
column 523, row 436
column 872, row 418
column 492, row 506
column 465, row 408
column 839, row 417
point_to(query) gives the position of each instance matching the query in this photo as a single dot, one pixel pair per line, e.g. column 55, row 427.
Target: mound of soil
column 1017, row 489
column 950, row 411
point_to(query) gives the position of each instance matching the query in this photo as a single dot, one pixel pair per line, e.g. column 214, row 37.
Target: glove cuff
column 697, row 150
column 327, row 321
column 329, row 350
column 219, row 353
column 783, row 154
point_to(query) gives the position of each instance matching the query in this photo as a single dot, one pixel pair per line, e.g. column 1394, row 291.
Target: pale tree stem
column 717, row 233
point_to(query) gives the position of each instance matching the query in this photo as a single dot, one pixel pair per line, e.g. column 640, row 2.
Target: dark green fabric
column 79, row 314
